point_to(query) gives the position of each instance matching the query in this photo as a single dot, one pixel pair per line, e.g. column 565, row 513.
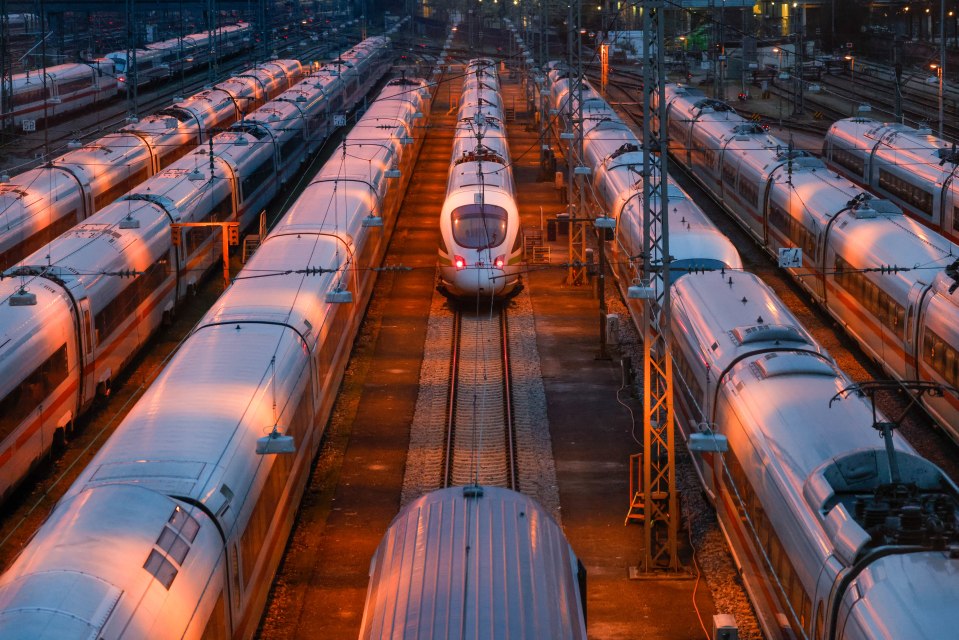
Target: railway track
column 480, row 436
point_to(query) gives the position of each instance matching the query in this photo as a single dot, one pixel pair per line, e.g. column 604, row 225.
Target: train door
column 947, row 208
column 87, row 343
column 911, row 345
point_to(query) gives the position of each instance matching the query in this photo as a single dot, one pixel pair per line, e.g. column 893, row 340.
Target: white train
column 68, row 88
column 474, row 562
column 71, row 319
column 612, row 153
column 481, row 246
column 804, row 494
column 164, row 59
column 883, row 276
column 177, row 526
column 833, row 541
column 71, row 87
column 40, row 204
column 912, row 167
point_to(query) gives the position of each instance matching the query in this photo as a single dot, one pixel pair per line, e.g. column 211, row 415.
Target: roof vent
column 23, row 298
column 339, row 296
column 195, row 175
column 129, row 223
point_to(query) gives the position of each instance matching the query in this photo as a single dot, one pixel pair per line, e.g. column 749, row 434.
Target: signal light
column 459, row 262
column 499, row 262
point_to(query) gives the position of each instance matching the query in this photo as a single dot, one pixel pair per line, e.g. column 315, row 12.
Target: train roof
column 896, row 586
column 64, row 586
column 473, row 562
column 735, row 313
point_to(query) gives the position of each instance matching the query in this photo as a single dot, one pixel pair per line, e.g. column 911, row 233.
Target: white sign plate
column 790, row 257
column 29, row 125
column 339, row 120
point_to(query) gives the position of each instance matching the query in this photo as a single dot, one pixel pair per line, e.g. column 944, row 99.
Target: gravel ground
column 537, row 473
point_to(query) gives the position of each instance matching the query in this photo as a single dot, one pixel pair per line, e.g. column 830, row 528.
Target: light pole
column 942, row 55
column 852, row 67
column 938, row 69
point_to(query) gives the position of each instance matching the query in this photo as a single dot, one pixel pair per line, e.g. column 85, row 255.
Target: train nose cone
column 479, row 280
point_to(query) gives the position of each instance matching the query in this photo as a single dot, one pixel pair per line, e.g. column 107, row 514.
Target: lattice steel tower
column 660, row 503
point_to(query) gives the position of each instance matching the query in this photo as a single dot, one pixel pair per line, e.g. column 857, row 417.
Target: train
column 68, row 88
column 837, row 534
column 817, row 511
column 885, row 278
column 160, row 60
column 40, row 204
column 177, row 525
column 912, row 167
column 475, row 562
column 76, row 311
column 613, row 155
column 481, row 244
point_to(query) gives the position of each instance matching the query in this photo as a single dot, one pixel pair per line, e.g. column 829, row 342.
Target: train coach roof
column 453, row 556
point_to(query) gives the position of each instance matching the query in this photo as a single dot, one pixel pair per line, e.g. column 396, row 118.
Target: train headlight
column 459, row 262
column 499, row 262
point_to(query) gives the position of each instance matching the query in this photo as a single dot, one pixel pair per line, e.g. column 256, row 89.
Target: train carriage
column 481, row 244
column 612, row 153
column 868, row 265
column 66, row 88
column 200, row 519
column 121, row 273
column 474, row 562
column 912, row 167
column 804, row 492
column 40, row 204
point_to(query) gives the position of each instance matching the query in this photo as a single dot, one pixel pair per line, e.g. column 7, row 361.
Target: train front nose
column 479, row 277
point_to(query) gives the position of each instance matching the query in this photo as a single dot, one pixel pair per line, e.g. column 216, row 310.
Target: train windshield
column 479, row 226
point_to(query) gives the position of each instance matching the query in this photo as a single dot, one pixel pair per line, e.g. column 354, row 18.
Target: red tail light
column 500, row 261
column 459, row 262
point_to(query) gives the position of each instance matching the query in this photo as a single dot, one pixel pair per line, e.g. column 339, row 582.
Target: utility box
column 724, row 627
column 612, row 329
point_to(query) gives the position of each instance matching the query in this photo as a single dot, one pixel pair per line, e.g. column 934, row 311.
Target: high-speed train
column 40, row 204
column 883, row 276
column 177, row 526
column 912, row 167
column 75, row 311
column 612, row 153
column 474, row 562
column 836, row 540
column 805, row 494
column 164, row 59
column 480, row 241
column 72, row 86
column 69, row 88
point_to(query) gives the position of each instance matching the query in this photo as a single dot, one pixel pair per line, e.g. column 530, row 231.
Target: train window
column 161, row 568
column 175, row 546
column 479, row 226
column 291, row 146
column 23, row 399
column 848, row 159
column 122, row 306
column 120, row 188
column 940, row 356
column 911, row 194
column 185, row 524
column 257, row 177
